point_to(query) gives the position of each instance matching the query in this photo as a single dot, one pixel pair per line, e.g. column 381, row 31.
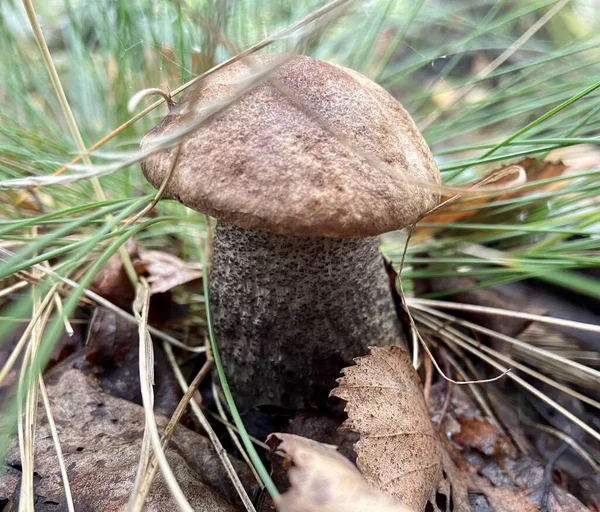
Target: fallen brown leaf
column 163, row 271
column 398, row 451
column 101, row 440
column 536, row 171
column 166, row 271
column 323, row 480
column 481, row 435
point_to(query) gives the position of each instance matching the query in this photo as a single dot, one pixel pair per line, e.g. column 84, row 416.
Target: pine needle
column 443, row 325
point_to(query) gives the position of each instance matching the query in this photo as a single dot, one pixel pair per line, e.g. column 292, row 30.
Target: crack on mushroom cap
column 267, row 165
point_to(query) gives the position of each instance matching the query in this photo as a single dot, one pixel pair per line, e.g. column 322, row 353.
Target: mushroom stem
column 291, row 312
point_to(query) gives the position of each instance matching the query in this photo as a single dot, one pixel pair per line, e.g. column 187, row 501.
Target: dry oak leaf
column 164, row 272
column 323, row 480
column 398, row 451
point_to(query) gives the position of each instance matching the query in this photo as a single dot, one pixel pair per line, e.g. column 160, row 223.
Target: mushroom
column 298, row 285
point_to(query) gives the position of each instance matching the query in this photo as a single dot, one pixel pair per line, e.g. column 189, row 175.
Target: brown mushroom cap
column 266, row 164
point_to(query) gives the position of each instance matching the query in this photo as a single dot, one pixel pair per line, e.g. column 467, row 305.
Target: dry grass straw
column 27, row 414
column 442, row 330
column 57, row 447
column 512, row 362
column 561, row 322
column 592, row 374
column 141, row 307
column 42, row 311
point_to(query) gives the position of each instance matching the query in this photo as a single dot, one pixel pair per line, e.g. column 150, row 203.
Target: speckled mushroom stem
column 291, row 312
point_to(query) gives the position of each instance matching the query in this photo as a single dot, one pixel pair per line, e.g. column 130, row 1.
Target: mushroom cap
column 275, row 164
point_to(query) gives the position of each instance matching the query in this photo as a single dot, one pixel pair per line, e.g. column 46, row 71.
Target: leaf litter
column 101, row 438
column 166, row 271
column 163, row 271
column 399, row 452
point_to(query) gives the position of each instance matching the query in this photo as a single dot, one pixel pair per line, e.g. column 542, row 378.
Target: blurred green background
column 488, row 82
